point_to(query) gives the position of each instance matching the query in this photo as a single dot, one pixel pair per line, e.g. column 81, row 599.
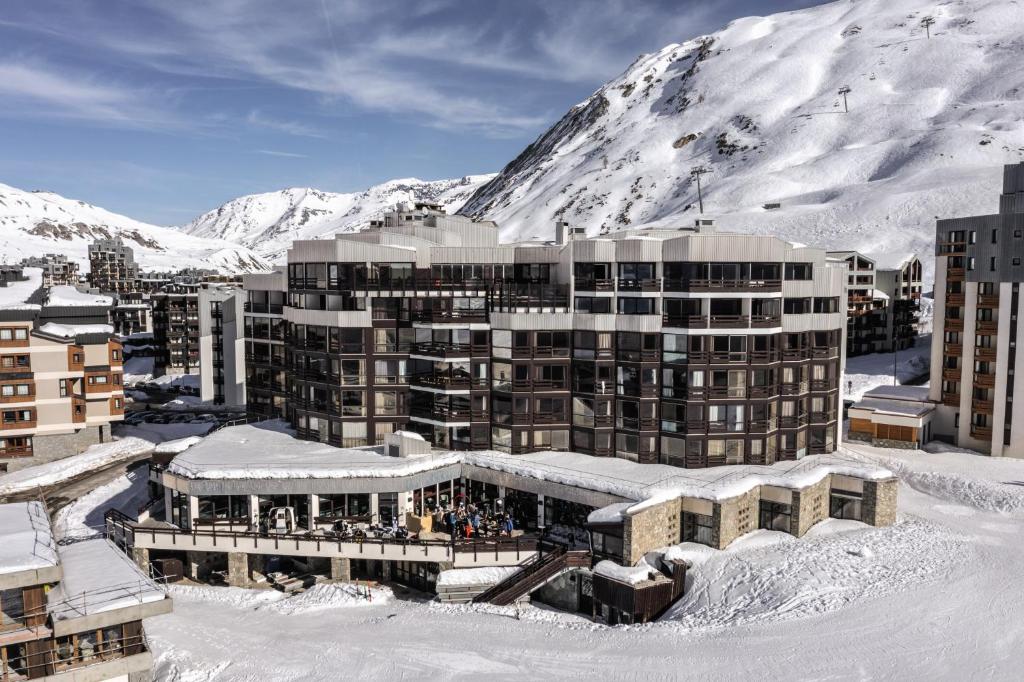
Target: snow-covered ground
column 937, row 596
column 93, row 458
column 864, row 372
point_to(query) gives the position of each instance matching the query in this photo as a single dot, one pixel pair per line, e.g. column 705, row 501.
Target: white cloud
column 287, row 155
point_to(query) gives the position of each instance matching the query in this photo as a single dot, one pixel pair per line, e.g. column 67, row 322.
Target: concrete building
column 57, row 269
column 882, row 304
column 978, row 275
column 683, row 346
column 60, row 377
column 132, row 314
column 264, row 329
column 112, row 267
column 221, row 344
column 176, row 328
column 70, row 611
column 222, row 495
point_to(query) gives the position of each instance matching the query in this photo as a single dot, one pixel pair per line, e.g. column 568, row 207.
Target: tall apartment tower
column 57, row 269
column 112, row 266
column 221, row 344
column 978, row 275
column 681, row 346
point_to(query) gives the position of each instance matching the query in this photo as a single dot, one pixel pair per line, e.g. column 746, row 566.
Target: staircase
column 536, row 571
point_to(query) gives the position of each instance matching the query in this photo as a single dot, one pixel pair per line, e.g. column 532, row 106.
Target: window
column 992, row 263
column 798, row 271
column 698, row 528
column 1016, row 260
column 796, row 306
column 6, row 334
column 636, row 306
column 828, row 304
column 844, row 504
column 775, row 516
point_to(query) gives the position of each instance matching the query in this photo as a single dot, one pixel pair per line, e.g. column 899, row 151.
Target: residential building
column 132, row 314
column 264, row 329
column 57, row 269
column 176, row 328
column 60, row 378
column 112, row 266
column 682, row 346
column 978, row 275
column 70, row 611
column 882, row 304
column 221, row 344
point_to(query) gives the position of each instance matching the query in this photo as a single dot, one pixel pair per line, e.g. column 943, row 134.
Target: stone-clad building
column 684, row 346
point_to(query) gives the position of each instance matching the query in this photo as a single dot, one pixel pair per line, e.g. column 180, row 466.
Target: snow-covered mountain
column 930, row 122
column 34, row 223
column 268, row 223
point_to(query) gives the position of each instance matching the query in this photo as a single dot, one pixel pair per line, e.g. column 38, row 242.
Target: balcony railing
column 594, row 284
column 628, row 284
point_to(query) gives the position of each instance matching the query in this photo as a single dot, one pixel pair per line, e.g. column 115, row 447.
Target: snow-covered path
column 939, row 596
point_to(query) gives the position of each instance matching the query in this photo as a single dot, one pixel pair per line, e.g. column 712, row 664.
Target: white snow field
column 94, row 457
column 930, row 123
column 937, row 596
column 864, row 372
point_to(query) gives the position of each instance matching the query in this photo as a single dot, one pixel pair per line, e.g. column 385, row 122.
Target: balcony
column 987, row 326
column 763, row 321
column 729, row 321
column 954, row 324
column 684, row 321
column 441, row 350
column 955, row 299
column 988, row 300
column 983, row 353
column 723, row 284
column 981, row 432
column 951, row 373
column 955, row 350
column 982, row 406
column 594, row 284
column 629, row 284
column 985, row 380
column 448, row 316
column 955, row 274
column 946, row 247
column 267, row 308
column 951, row 399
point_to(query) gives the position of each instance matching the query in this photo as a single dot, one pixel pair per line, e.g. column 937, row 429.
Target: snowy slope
column 930, row 123
column 34, row 223
column 268, row 223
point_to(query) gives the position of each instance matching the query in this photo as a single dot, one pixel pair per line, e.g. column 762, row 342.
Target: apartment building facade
column 883, row 304
column 221, row 344
column 264, row 338
column 57, row 269
column 687, row 347
column 112, row 266
column 978, row 277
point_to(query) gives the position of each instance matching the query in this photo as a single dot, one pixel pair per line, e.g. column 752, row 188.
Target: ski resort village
column 714, row 379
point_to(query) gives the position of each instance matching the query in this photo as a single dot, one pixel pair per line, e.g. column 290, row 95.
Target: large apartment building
column 221, row 344
column 112, row 266
column 57, row 269
column 978, row 276
column 60, row 379
column 688, row 346
column 883, row 304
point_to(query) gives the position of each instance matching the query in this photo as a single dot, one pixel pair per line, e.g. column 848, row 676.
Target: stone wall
column 734, row 517
column 810, row 506
column 50, row 448
column 899, row 444
column 879, row 503
column 654, row 527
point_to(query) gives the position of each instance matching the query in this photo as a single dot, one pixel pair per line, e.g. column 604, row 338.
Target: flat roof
column 265, row 451
column 905, row 408
column 98, row 577
column 918, row 393
column 26, row 540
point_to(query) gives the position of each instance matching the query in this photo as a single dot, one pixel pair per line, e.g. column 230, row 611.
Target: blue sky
column 163, row 109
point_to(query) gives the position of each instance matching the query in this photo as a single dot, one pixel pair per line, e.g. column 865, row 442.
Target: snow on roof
column 613, row 513
column 251, row 451
column 173, row 447
column 919, row 393
column 66, row 295
column 26, row 540
column 898, row 407
column 97, row 577
column 409, row 434
column 489, row 575
column 70, row 331
column 631, row 575
column 15, row 295
column 879, row 294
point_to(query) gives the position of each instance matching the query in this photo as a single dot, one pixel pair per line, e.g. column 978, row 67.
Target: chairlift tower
column 696, row 172
column 844, row 91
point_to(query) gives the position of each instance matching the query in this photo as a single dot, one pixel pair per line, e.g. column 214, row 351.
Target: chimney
column 561, row 230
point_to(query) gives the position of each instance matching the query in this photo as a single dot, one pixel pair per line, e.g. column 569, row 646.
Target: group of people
column 471, row 521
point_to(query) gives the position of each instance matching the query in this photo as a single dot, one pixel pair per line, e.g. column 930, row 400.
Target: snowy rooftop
column 98, row 577
column 904, row 408
column 252, row 452
column 15, row 295
column 70, row 331
column 69, row 296
column 26, row 541
column 919, row 393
